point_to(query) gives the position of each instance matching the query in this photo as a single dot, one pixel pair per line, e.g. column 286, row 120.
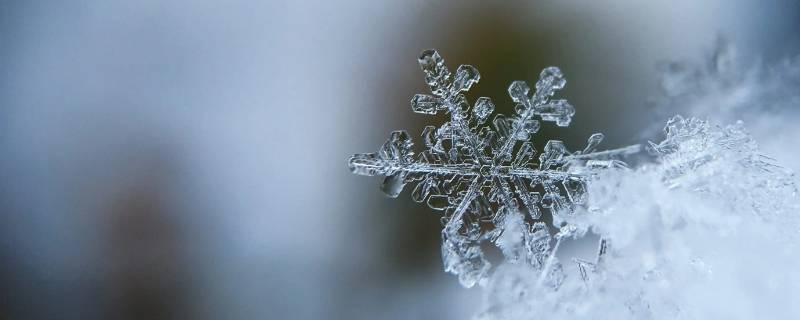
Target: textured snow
column 709, row 223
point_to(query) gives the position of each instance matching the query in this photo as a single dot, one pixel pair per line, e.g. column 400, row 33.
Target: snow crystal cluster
column 708, row 229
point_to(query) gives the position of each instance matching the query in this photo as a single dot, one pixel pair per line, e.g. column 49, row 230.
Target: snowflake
column 484, row 178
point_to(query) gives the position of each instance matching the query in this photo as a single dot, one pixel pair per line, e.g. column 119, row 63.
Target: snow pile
column 708, row 231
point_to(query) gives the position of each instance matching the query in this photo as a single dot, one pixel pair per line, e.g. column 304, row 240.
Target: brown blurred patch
column 144, row 263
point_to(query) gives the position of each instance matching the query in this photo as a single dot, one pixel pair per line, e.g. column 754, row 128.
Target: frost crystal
column 484, row 178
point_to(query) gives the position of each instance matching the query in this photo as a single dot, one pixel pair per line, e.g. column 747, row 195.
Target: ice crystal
column 484, row 175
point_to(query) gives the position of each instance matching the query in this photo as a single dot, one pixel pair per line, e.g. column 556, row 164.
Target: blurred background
column 187, row 159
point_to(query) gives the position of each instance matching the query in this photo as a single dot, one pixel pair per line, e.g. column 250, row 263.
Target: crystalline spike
column 585, row 268
column 506, row 197
column 436, row 74
column 524, row 154
column 502, row 125
column 424, row 103
column 529, row 200
column 550, row 80
column 367, row 164
column 487, row 137
column 466, row 76
column 428, row 136
column 518, row 128
column 483, row 108
column 558, row 111
column 518, row 90
column 480, row 176
column 461, row 106
column 445, row 131
column 592, row 143
column 552, row 154
column 397, row 147
column 530, row 126
column 423, row 189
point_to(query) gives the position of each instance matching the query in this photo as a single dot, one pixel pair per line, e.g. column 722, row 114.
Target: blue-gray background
column 187, row 159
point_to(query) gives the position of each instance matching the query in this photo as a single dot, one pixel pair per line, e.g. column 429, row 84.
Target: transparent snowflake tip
column 427, row 104
column 466, row 76
column 518, row 90
column 551, row 79
column 592, row 142
column 558, row 111
column 483, row 108
column 436, row 73
column 397, row 150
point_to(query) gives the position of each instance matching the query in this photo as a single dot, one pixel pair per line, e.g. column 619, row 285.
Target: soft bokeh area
column 187, row 159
